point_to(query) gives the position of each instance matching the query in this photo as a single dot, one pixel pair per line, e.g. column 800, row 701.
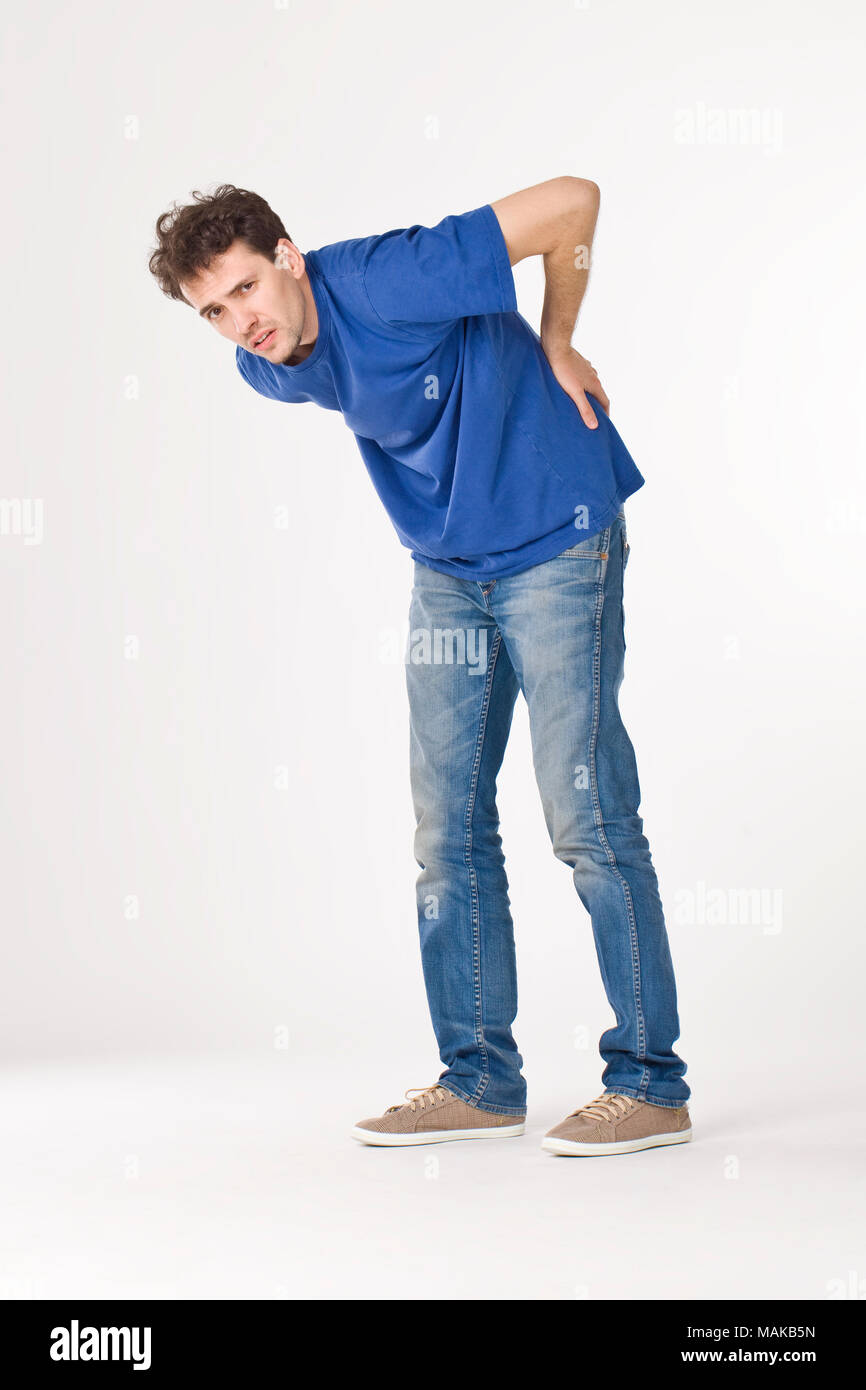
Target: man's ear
column 288, row 257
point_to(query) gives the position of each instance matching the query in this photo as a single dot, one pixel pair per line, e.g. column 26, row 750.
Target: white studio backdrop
column 207, row 822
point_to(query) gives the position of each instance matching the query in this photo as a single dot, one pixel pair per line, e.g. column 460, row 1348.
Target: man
column 492, row 450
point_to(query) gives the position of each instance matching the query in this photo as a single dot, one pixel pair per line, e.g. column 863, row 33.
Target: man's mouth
column 265, row 339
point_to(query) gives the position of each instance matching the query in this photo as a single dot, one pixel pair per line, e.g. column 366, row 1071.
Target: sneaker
column 616, row 1124
column 433, row 1116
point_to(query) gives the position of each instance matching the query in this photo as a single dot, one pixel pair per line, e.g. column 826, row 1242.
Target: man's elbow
column 586, row 190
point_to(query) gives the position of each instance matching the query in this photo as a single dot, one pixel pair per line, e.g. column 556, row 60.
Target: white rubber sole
column 571, row 1149
column 434, row 1136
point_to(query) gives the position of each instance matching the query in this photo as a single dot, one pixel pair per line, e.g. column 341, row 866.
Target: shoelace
column 611, row 1107
column 431, row 1093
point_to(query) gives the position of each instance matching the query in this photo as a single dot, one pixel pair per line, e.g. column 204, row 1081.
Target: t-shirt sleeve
column 432, row 275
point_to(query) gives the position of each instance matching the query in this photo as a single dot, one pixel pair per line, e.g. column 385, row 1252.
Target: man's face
column 265, row 305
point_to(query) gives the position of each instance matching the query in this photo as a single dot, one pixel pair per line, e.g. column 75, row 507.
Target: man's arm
column 556, row 220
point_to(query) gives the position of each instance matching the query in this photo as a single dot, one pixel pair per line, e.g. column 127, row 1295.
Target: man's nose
column 244, row 324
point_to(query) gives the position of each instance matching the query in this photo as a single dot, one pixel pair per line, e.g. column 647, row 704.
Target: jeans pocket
column 620, row 516
column 589, row 549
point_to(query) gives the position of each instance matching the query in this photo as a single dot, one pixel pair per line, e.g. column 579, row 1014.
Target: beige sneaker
column 615, row 1124
column 434, row 1116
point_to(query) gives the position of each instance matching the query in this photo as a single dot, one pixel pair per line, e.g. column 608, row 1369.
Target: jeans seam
column 599, row 826
column 484, row 1079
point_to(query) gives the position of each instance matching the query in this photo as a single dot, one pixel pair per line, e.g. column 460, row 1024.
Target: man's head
column 229, row 256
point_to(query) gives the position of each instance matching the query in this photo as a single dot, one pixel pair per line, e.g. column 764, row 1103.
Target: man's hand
column 576, row 375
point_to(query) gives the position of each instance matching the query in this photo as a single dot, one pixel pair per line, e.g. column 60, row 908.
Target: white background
column 275, row 928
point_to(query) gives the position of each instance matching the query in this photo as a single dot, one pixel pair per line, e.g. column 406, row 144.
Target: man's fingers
column 597, row 390
column 587, row 414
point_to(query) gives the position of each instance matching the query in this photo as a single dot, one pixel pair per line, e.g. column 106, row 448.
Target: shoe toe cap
column 576, row 1130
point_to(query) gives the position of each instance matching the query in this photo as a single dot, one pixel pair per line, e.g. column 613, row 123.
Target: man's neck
column 301, row 353
column 311, row 325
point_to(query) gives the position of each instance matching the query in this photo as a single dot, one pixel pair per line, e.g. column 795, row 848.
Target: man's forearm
column 556, row 220
column 566, row 272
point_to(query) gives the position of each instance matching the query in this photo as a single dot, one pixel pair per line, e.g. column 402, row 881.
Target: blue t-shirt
column 480, row 458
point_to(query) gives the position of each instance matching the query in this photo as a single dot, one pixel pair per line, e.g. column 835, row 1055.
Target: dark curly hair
column 189, row 237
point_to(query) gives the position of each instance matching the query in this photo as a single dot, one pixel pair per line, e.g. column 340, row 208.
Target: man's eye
column 215, row 309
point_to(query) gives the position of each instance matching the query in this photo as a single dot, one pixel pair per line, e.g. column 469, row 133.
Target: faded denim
column 554, row 632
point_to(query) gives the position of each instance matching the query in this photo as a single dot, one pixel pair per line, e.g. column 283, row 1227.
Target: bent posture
column 492, row 449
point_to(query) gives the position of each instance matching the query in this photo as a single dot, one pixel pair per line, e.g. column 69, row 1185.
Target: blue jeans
column 556, row 633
